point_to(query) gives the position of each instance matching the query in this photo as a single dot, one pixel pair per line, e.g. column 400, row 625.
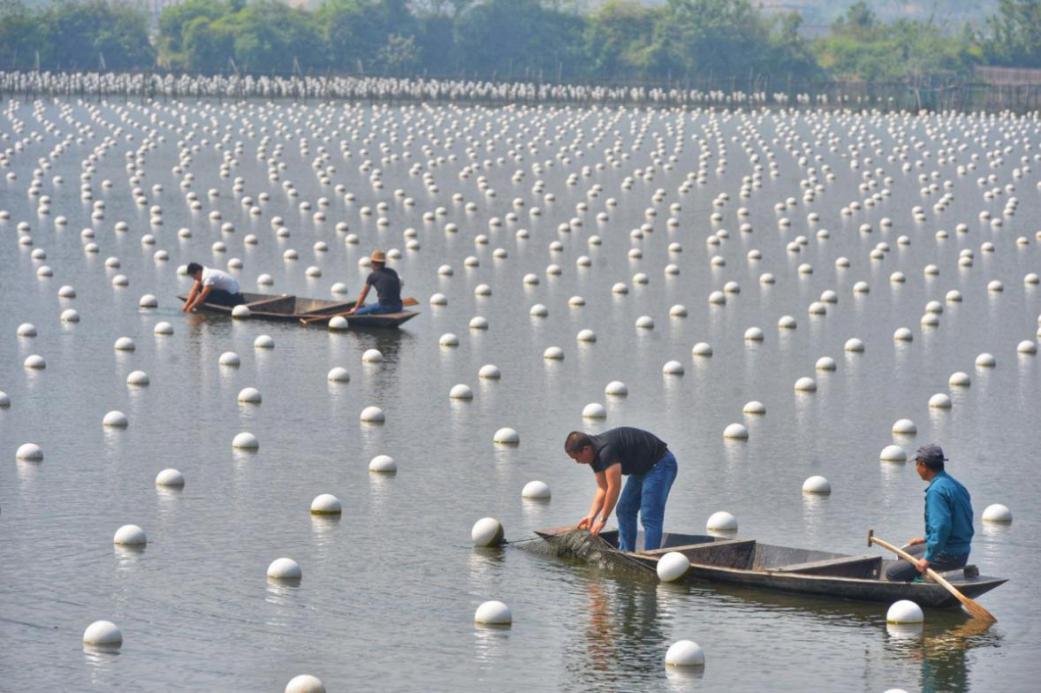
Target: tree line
column 548, row 40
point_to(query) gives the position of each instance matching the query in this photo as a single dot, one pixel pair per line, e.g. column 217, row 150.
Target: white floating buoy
column 672, row 566
column 245, row 441
column 672, row 368
column 701, row 349
column 903, row 334
column 170, row 477
column 115, row 419
column 997, row 513
column 959, row 379
column 284, row 569
column 721, row 521
column 249, row 395
column 685, row 654
column 854, row 345
column 163, row 329
column 940, row 401
column 736, row 431
column 264, row 342
column 338, row 375
column 754, row 408
column 103, row 634
column 506, row 436
column 383, row 464
column 586, row 335
column 326, row 504
column 338, row 323
column 1027, row 347
column 825, row 363
column 478, row 323
column 372, row 415
column 986, row 360
column 487, row 532
column 893, row 453
column 438, row 299
column 148, row 301
column 905, row 611
column 493, row 613
column 753, row 334
column 448, row 340
column 817, row 485
column 35, row 362
column 230, row 359
column 616, row 388
column 594, row 410
column 553, row 353
column 241, row 312
column 645, row 322
column 805, row 384
column 70, row 315
column 489, row 371
column 5, row 401
column 305, row 683
column 536, row 490
column 130, row 535
column 125, row 344
column 372, row 356
column 27, row 329
column 461, row 391
column 137, row 379
column 30, row 452
column 905, row 427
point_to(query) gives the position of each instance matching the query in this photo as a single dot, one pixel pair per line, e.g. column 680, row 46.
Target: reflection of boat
column 308, row 310
column 754, row 564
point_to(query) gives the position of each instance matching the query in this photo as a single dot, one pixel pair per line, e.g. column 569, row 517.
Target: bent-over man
column 651, row 468
column 211, row 286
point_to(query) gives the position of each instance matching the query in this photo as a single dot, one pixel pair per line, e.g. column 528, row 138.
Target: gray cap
column 931, row 454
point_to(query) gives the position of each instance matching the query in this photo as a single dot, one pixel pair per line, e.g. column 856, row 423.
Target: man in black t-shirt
column 651, row 468
column 387, row 285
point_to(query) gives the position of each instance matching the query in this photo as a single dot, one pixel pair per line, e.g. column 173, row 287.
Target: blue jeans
column 645, row 494
column 376, row 309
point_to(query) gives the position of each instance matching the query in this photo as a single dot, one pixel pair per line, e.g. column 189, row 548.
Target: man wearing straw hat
column 388, row 288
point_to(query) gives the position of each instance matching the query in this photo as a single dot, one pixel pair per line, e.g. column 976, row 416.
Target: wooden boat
column 754, row 564
column 307, row 311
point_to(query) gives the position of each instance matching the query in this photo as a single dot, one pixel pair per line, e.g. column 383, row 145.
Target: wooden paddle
column 971, row 606
column 409, row 301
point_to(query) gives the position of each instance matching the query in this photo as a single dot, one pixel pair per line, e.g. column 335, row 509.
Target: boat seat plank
column 684, row 549
column 326, row 310
column 848, row 566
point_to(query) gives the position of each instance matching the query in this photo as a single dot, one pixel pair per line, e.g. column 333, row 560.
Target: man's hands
column 922, row 565
column 594, row 525
column 916, row 541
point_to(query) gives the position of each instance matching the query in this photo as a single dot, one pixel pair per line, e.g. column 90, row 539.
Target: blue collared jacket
column 948, row 518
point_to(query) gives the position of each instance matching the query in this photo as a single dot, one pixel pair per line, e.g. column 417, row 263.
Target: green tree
column 1013, row 34
column 20, row 36
column 173, row 23
column 617, row 37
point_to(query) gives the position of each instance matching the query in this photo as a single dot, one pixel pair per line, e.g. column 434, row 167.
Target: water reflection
column 942, row 650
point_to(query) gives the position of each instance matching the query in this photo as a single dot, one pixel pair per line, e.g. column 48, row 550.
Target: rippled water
column 389, row 589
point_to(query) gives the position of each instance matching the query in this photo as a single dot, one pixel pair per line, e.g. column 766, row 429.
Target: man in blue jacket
column 948, row 521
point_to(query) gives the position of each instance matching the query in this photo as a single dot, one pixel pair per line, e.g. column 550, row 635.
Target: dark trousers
column 220, row 297
column 902, row 571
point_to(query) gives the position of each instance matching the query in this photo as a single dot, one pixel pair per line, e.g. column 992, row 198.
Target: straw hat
column 378, row 256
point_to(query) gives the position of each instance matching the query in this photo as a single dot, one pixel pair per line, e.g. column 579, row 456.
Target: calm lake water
column 389, row 590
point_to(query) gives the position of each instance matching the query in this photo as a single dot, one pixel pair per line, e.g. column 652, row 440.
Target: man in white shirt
column 211, row 286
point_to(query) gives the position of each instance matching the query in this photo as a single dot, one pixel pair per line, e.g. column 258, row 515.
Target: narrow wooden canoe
column 287, row 308
column 754, row 564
